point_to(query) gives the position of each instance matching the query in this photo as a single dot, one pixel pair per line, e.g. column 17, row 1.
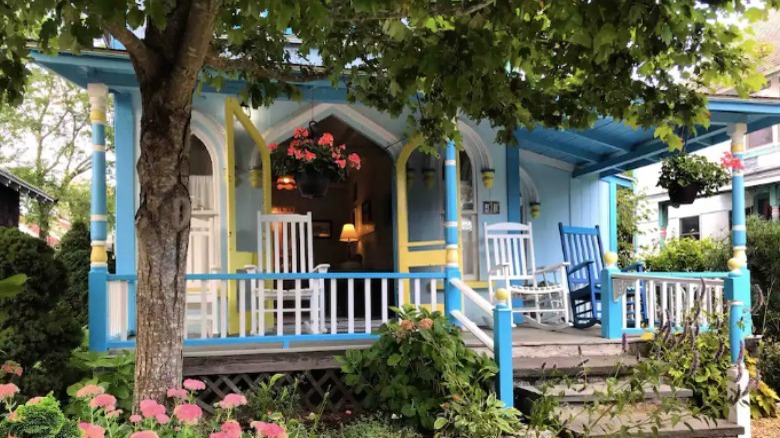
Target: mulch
column 765, row 428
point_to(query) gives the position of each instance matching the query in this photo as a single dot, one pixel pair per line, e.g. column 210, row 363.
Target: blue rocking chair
column 584, row 253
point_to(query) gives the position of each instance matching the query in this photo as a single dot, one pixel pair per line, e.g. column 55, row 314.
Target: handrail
column 716, row 279
column 300, row 276
column 473, row 296
column 473, row 328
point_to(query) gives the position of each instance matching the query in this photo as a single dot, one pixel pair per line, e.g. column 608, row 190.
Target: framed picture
column 365, row 213
column 322, row 229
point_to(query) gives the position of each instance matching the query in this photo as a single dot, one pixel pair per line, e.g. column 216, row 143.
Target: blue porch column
column 452, row 298
column 502, row 344
column 98, row 297
column 737, row 290
column 124, row 143
column 611, row 309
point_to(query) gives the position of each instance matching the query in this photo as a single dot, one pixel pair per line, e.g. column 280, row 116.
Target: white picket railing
column 269, row 306
column 482, row 304
column 652, row 300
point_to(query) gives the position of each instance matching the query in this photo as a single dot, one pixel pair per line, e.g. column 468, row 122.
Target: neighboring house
column 711, row 217
column 11, row 190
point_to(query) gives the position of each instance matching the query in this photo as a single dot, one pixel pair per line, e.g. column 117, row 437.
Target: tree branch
column 306, row 73
column 145, row 58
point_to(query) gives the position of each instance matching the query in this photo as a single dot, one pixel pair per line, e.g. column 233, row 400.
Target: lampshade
column 285, row 182
column 348, row 233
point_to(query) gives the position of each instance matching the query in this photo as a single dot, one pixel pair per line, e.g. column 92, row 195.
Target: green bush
column 75, row 249
column 763, row 253
column 115, row 373
column 419, row 363
column 40, row 419
column 769, row 364
column 690, row 255
column 373, row 428
column 36, row 330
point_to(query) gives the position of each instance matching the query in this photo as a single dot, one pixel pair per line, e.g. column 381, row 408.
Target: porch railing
column 636, row 303
column 501, row 341
column 245, row 308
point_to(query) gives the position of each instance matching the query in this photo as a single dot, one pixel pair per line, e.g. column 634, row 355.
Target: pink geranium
column 92, row 430
column 232, row 401
column 177, row 393
column 194, row 385
column 150, row 408
column 309, row 155
column 8, row 390
column 269, row 430
column 354, row 160
column 144, row 434
column 90, row 390
column 188, row 413
column 272, row 147
column 326, row 139
column 106, row 401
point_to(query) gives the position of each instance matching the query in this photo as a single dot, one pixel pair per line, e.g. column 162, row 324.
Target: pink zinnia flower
column 144, row 434
column 162, row 418
column 34, row 400
column 90, row 390
column 231, row 429
column 106, row 401
column 8, row 390
column 326, row 140
column 135, row 418
column 92, row 430
column 188, row 413
column 269, row 430
column 150, row 408
column 194, row 385
column 232, row 401
column 177, row 393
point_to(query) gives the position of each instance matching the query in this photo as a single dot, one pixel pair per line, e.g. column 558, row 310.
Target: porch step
column 635, row 419
column 578, row 393
column 534, row 368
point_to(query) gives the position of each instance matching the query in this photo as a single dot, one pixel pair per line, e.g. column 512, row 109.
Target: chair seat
column 539, row 290
column 271, row 294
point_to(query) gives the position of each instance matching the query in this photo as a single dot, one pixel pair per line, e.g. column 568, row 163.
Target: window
column 468, row 218
column 689, row 227
column 759, row 138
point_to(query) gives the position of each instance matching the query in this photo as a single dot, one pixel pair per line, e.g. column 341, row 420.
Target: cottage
column 11, row 189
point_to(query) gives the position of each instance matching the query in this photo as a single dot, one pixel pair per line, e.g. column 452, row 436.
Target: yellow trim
column 737, row 148
column 97, row 115
column 424, row 243
column 237, row 260
column 98, row 254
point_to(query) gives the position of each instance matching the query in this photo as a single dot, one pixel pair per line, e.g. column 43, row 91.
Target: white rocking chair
column 510, row 259
column 285, row 246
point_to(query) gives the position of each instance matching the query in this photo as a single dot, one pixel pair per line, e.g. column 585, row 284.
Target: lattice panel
column 312, row 386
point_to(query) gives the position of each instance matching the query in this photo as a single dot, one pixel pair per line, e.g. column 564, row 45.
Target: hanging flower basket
column 313, row 160
column 687, row 176
column 312, row 184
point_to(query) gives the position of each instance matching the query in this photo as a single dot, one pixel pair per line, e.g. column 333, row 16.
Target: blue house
column 407, row 228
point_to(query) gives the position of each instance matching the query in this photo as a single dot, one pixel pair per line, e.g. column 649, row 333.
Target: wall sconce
column 429, row 177
column 285, row 182
column 487, row 177
column 536, row 209
column 255, row 177
column 409, row 177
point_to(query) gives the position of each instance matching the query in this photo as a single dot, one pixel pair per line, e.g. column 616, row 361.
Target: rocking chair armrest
column 579, row 266
column 251, row 268
column 497, row 269
column 551, row 268
column 636, row 266
column 321, row 268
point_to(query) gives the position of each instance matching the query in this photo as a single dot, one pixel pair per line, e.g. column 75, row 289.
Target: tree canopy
column 528, row 62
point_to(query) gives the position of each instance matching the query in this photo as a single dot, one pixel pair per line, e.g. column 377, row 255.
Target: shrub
column 419, row 363
column 115, row 373
column 35, row 329
column 690, row 255
column 763, row 252
column 374, row 428
column 769, row 364
column 74, row 253
column 40, row 418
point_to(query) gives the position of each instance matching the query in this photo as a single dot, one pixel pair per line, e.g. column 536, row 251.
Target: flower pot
column 683, row 194
column 312, row 184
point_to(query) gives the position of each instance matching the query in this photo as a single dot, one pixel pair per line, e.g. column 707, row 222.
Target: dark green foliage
column 74, row 253
column 631, row 209
column 373, row 428
column 40, row 420
column 763, row 253
column 684, row 169
column 690, row 255
column 419, row 363
column 769, row 364
column 35, row 329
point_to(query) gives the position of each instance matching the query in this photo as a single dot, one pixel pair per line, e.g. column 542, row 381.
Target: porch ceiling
column 608, row 148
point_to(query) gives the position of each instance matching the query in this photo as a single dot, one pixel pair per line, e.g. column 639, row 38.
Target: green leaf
column 440, row 423
column 12, row 286
column 408, row 410
column 394, row 360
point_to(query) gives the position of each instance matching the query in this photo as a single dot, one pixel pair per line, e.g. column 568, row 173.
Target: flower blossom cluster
column 306, row 149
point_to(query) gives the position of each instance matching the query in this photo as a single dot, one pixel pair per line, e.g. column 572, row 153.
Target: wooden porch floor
column 530, row 343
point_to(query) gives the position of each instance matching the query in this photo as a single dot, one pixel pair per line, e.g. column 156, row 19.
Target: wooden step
column 533, row 368
column 637, row 423
column 576, row 393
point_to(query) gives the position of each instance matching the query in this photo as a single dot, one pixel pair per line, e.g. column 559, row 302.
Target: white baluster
column 384, row 300
column 434, row 294
column 638, row 304
column 298, row 306
column 333, row 297
column 650, row 304
column 203, row 310
column 223, row 292
column 351, row 305
column 279, row 308
column 417, row 301
column 241, row 308
column 367, row 295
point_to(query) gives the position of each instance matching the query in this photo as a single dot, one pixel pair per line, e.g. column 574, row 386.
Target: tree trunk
column 163, row 227
column 44, row 218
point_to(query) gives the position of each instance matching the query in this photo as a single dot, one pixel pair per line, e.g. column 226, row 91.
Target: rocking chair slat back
column 511, row 244
column 285, row 243
column 580, row 245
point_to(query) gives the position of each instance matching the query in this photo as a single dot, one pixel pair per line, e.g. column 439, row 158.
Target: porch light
column 536, row 208
column 487, row 177
column 285, row 182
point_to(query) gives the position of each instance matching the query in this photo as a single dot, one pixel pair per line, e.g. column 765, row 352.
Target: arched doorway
column 203, row 254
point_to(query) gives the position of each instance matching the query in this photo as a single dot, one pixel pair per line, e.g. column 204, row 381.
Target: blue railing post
column 737, row 296
column 98, row 296
column 452, row 297
column 502, row 344
column 611, row 306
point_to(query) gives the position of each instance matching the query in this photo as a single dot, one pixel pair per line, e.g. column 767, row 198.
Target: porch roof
column 607, row 148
